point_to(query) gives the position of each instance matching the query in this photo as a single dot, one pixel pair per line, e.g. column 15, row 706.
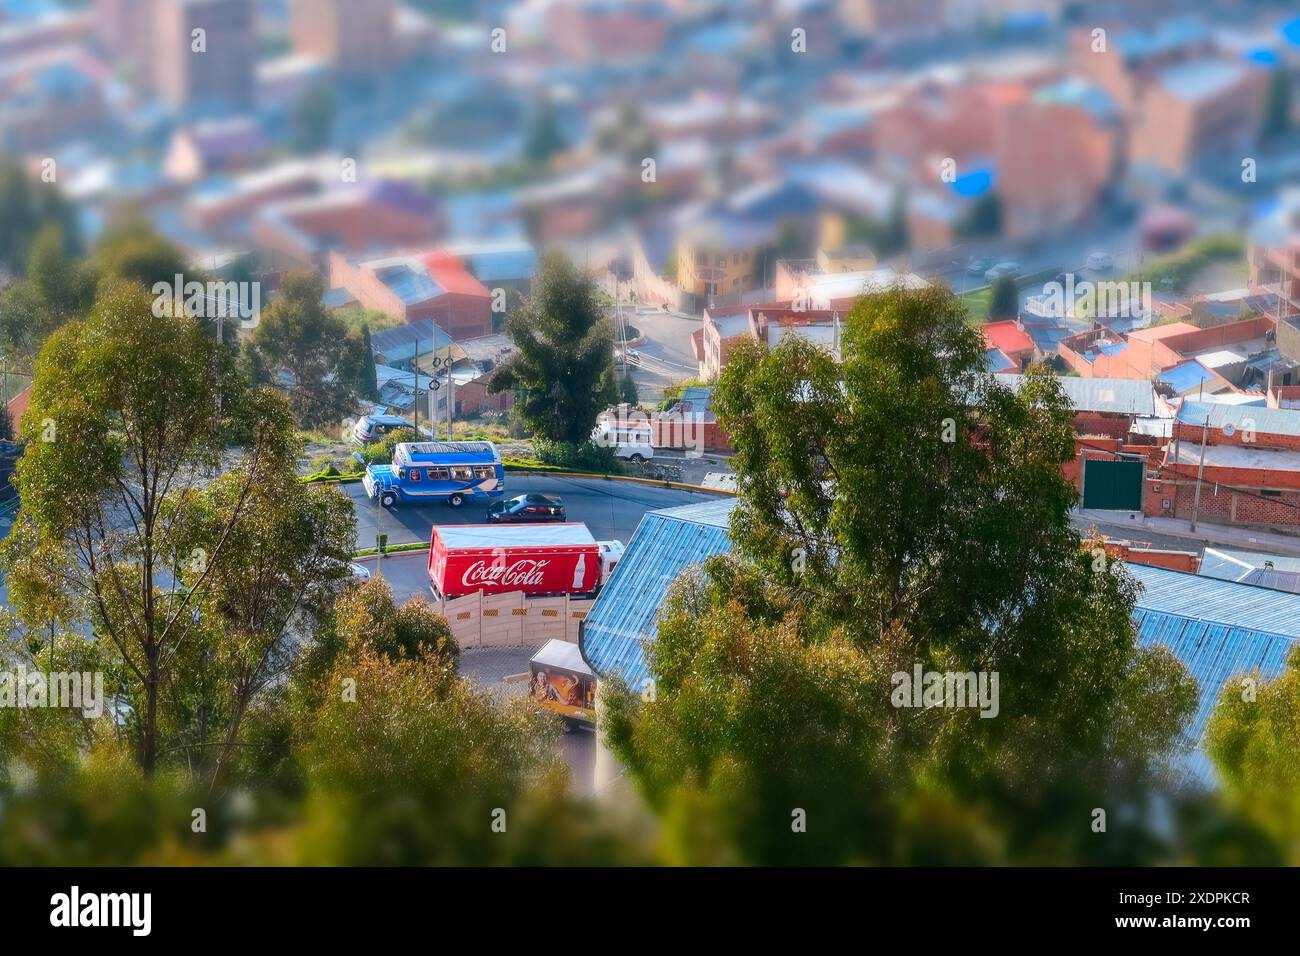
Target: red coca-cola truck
column 536, row 559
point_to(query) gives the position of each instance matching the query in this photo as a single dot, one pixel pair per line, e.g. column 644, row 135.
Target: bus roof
column 446, row 452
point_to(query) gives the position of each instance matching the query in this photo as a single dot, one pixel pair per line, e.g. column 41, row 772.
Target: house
column 432, row 285
column 1104, row 406
column 208, row 148
column 725, row 327
column 352, row 38
column 1245, row 458
column 1273, row 252
column 354, row 220
column 406, row 346
column 1010, row 338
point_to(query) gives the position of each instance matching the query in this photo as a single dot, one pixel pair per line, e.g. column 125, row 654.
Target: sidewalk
column 1248, row 539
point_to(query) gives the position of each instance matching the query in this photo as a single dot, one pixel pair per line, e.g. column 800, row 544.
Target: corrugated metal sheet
column 1213, row 653
column 1217, row 628
column 626, row 613
column 1120, row 396
column 1223, row 602
column 1263, row 421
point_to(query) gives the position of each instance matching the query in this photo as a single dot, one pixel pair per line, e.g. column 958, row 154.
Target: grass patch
column 1174, row 272
column 391, row 549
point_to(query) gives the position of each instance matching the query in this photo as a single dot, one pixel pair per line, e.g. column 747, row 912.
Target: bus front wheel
column 388, row 499
column 455, row 500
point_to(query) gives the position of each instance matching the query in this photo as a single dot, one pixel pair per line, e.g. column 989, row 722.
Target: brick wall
column 1221, row 504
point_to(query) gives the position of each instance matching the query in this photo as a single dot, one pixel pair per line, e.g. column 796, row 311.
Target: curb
column 658, row 483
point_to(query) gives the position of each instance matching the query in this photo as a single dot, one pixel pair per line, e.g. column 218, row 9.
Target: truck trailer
column 541, row 559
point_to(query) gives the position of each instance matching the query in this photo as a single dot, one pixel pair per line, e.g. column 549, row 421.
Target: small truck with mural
column 560, row 680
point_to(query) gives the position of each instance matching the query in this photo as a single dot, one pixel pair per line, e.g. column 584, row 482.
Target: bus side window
column 415, row 474
column 437, row 474
column 485, row 471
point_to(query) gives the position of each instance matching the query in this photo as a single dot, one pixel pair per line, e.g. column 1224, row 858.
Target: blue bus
column 454, row 471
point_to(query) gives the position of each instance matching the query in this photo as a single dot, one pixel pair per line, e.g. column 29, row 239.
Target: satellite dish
column 1228, row 429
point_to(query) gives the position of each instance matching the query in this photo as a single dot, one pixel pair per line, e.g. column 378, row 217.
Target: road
column 611, row 509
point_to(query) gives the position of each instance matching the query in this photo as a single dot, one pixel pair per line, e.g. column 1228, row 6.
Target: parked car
column 1008, row 268
column 529, row 507
column 1100, row 262
column 371, row 428
column 979, row 265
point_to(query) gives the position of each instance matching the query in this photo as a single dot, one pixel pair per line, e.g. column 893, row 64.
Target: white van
column 628, row 441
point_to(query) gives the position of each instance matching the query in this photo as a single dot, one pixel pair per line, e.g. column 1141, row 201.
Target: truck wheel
column 456, row 500
column 637, row 459
column 388, row 499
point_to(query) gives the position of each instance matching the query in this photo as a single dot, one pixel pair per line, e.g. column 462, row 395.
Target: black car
column 531, row 507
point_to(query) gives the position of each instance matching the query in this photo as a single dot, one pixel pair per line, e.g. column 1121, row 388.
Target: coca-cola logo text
column 525, row 572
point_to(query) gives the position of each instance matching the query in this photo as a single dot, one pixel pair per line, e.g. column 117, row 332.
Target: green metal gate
column 1112, row 485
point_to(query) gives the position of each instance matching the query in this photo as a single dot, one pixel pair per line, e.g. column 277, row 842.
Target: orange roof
column 1157, row 332
column 18, row 407
column 1007, row 336
column 449, row 272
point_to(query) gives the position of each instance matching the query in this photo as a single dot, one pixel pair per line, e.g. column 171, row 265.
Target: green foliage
column 368, row 618
column 1176, row 271
column 310, row 353
column 313, row 119
column 1253, row 740
column 1004, row 302
column 134, row 252
column 562, row 370
column 983, row 219
column 1277, row 107
column 381, row 452
column 585, row 457
column 193, row 586
column 544, row 139
column 368, row 381
column 57, row 288
column 899, row 508
column 627, row 389
column 885, row 238
column 28, row 206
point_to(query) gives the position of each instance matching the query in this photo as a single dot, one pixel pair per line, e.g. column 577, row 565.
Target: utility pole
column 415, row 365
column 1200, row 470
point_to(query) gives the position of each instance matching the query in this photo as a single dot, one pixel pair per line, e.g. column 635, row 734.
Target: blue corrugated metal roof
column 1218, row 629
column 1186, row 376
column 1213, row 653
column 1262, row 421
column 626, row 614
column 1224, row 602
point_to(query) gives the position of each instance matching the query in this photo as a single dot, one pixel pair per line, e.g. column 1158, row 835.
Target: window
column 436, row 474
column 415, row 474
column 1269, row 493
column 485, row 471
column 462, row 473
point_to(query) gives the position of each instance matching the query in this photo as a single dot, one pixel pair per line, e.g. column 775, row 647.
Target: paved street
column 611, row 509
